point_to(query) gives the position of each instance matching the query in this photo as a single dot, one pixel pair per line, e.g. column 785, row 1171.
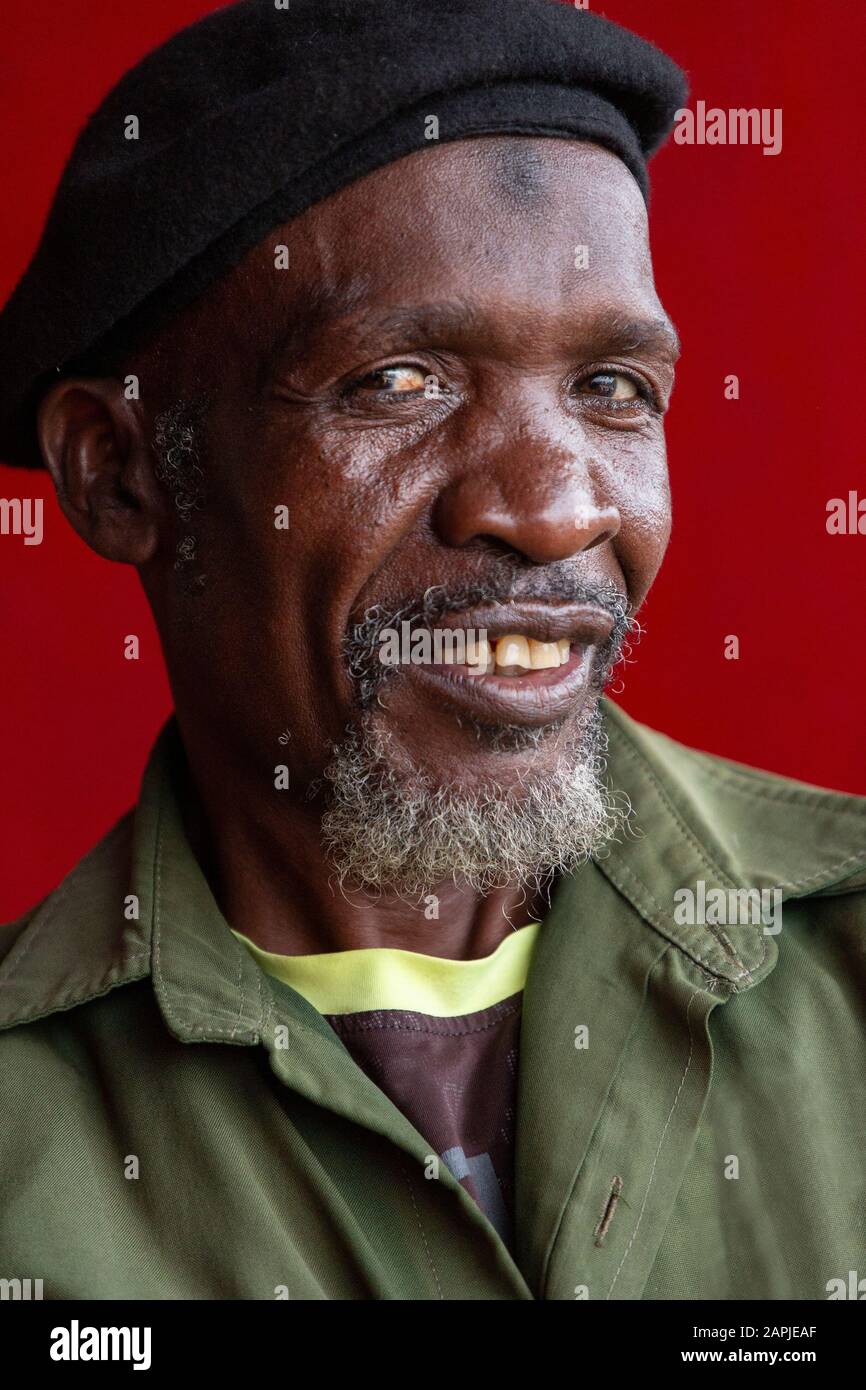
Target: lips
column 581, row 623
column 532, row 697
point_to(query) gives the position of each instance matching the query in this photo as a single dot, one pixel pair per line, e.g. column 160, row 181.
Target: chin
column 477, row 754
column 402, row 821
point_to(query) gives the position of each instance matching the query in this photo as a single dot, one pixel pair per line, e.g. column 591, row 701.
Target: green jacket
column 691, row 1095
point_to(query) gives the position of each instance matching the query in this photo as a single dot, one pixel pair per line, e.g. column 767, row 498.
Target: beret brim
column 253, row 114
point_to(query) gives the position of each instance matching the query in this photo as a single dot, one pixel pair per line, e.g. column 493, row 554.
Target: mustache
column 506, row 583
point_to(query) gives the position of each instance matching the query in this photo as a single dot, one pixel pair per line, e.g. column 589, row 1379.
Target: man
column 427, row 977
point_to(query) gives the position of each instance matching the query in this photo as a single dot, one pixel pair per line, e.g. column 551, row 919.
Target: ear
column 95, row 447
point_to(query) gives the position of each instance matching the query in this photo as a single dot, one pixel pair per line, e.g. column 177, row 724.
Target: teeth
column 543, row 655
column 511, row 652
column 515, row 654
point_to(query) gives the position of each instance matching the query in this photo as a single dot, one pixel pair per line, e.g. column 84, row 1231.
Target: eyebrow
column 602, row 334
column 636, row 335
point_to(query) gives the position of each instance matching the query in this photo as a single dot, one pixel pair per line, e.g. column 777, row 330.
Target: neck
column 266, row 868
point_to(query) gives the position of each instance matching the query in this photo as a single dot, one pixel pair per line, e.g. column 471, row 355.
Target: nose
column 535, row 496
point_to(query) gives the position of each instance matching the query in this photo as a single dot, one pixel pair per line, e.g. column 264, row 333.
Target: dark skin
column 528, row 452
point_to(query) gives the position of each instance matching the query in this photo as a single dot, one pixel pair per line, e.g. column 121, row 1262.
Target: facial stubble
column 391, row 825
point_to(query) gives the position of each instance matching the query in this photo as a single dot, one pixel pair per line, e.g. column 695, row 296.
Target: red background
column 757, row 259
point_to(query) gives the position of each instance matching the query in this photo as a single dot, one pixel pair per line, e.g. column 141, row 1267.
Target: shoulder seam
column 733, row 775
column 779, row 788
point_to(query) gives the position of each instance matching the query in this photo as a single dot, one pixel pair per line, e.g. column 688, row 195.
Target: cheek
column 298, row 539
column 353, row 497
column 313, row 507
column 639, row 487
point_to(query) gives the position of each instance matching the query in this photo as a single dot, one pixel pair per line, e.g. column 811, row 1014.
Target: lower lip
column 536, row 698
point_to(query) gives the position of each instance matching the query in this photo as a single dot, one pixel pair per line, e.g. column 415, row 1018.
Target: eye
column 612, row 386
column 403, row 379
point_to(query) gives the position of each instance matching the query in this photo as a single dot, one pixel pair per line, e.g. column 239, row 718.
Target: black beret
column 252, row 114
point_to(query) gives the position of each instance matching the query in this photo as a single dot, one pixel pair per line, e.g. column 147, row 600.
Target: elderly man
column 434, row 976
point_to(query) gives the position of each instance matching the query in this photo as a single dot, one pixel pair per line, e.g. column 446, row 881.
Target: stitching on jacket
column 74, row 997
column 266, row 1002
column 716, row 869
column 608, row 1210
column 268, row 1005
column 421, row 1229
column 157, row 898
column 242, row 992
column 783, row 795
column 48, row 916
column 726, row 941
column 660, row 1143
column 731, row 777
column 692, row 951
column 685, row 830
column 200, row 1029
column 794, row 797
column 856, row 858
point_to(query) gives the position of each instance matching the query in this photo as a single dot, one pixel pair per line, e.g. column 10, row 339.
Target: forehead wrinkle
column 451, row 321
column 440, row 320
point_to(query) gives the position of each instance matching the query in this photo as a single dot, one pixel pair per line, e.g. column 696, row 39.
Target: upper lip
column 580, row 622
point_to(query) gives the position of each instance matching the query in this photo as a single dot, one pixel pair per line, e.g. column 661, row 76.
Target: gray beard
column 391, row 829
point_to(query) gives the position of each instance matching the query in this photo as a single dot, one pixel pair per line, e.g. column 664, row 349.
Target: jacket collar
column 696, row 819
column 705, row 824
column 84, row 940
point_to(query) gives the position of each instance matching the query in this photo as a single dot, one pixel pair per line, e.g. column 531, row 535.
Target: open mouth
column 534, row 665
column 511, row 655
